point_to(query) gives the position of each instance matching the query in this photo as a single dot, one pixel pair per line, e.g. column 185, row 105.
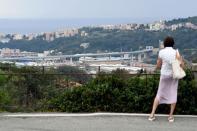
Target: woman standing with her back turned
column 167, row 91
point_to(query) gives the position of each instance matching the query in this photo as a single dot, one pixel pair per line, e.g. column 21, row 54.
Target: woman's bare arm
column 159, row 63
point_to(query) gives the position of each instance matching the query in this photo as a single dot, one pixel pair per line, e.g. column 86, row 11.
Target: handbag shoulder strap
column 178, row 56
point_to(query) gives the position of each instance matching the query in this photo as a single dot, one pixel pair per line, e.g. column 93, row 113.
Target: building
column 6, row 52
column 25, row 53
column 4, row 40
column 49, row 37
column 30, row 36
column 190, row 25
column 18, row 37
column 157, row 26
column 70, row 32
column 83, row 33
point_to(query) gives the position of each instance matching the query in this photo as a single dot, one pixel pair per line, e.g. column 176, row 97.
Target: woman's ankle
column 152, row 114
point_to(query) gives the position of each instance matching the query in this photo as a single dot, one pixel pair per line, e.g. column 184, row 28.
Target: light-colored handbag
column 178, row 72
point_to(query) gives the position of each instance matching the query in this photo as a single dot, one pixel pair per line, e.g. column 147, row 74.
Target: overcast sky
column 49, row 9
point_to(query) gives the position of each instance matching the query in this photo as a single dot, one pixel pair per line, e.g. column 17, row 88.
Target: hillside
column 183, row 20
column 102, row 40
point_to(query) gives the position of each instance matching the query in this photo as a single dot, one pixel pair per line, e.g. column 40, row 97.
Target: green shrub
column 5, row 100
column 111, row 93
column 115, row 92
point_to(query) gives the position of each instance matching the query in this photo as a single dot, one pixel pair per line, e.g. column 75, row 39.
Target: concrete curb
column 26, row 115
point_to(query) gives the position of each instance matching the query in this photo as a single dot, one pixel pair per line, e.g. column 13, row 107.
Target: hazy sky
column 97, row 8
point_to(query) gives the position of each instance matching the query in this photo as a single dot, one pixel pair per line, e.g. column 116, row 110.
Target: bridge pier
column 109, row 57
column 71, row 60
column 132, row 57
column 126, row 56
column 139, row 57
column 145, row 56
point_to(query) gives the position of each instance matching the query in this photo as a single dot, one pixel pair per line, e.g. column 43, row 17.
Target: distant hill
column 102, row 40
column 183, row 20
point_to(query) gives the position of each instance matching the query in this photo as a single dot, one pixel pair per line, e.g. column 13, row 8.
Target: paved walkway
column 94, row 122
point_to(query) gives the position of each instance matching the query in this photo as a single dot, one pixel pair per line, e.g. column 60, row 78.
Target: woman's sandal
column 151, row 118
column 171, row 119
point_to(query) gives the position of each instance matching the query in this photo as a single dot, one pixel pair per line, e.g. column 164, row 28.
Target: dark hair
column 168, row 42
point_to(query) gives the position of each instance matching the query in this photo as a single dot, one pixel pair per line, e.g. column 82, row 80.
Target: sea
column 27, row 26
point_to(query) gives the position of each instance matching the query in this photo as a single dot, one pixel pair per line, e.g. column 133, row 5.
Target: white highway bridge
column 139, row 54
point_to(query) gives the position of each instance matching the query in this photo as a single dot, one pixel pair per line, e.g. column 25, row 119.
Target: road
column 94, row 122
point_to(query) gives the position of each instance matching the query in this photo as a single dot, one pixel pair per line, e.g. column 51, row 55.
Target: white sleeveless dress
column 167, row 90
